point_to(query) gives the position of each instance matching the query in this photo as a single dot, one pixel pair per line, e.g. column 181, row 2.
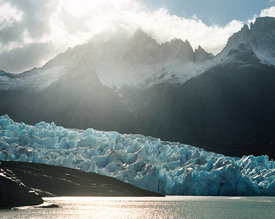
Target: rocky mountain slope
column 225, row 103
column 14, row 193
column 48, row 181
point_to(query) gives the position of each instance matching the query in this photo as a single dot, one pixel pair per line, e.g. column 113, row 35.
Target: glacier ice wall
column 165, row 167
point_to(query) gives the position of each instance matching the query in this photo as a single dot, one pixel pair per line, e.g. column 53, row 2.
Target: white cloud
column 9, row 14
column 269, row 12
column 163, row 27
column 64, row 23
column 77, row 25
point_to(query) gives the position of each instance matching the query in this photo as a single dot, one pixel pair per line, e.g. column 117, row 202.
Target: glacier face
column 165, row 167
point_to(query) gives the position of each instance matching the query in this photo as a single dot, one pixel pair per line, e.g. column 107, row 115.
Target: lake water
column 148, row 207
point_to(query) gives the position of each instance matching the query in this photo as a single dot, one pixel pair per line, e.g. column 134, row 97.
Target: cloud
column 130, row 15
column 26, row 57
column 163, row 27
column 269, row 12
column 25, row 19
column 36, row 15
column 25, row 31
column 31, row 32
column 9, row 18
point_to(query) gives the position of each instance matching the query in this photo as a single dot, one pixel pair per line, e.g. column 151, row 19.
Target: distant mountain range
column 223, row 103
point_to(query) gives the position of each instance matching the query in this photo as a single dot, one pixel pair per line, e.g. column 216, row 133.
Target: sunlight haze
column 31, row 32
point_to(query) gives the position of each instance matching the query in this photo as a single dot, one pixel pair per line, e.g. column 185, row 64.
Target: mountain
column 259, row 38
column 73, row 97
column 48, row 181
column 133, row 84
column 13, row 192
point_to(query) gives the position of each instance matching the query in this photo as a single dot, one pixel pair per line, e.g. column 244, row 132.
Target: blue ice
column 146, row 162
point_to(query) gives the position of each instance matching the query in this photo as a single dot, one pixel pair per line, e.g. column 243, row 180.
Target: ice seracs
column 165, row 167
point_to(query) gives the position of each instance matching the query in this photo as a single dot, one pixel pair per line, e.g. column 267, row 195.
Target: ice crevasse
column 146, row 162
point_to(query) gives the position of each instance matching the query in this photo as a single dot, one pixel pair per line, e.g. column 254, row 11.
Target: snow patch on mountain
column 34, row 80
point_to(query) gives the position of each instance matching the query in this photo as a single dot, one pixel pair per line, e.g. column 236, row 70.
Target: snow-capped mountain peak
column 142, row 38
column 258, row 38
column 228, row 100
column 138, row 60
column 201, row 55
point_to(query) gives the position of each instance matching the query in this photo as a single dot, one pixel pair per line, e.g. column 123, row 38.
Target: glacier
column 146, row 162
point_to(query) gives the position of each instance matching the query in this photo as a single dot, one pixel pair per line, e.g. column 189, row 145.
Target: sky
column 33, row 32
column 212, row 12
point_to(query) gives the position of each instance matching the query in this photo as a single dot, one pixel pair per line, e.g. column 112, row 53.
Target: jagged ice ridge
column 165, row 167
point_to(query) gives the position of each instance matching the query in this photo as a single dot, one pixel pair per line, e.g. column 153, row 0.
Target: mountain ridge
column 173, row 61
column 139, row 51
column 222, row 103
column 259, row 37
